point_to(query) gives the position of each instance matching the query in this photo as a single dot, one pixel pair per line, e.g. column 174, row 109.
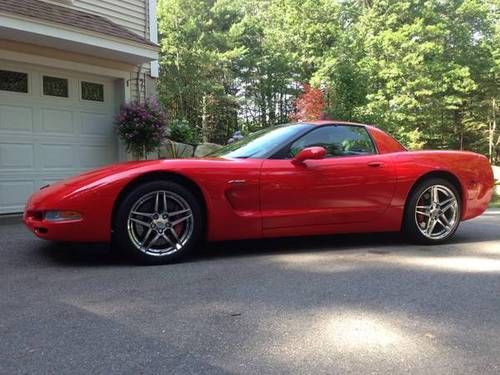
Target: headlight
column 62, row 215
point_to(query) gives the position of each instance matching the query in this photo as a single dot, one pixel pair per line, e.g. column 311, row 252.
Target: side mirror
column 309, row 153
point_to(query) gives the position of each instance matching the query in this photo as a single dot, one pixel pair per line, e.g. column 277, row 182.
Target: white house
column 66, row 66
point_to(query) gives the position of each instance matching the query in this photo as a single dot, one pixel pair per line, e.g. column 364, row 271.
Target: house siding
column 134, row 15
column 131, row 14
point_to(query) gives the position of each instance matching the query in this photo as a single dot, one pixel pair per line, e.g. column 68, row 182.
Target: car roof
column 335, row 122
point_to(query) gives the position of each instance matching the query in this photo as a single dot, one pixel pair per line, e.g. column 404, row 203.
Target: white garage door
column 53, row 124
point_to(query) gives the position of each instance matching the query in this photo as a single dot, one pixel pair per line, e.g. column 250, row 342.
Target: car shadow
column 379, row 243
column 83, row 254
column 97, row 254
column 79, row 254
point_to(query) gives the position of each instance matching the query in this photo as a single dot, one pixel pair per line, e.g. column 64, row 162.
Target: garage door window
column 54, row 86
column 13, row 81
column 92, row 91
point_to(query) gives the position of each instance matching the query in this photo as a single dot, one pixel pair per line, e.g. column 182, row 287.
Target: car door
column 353, row 183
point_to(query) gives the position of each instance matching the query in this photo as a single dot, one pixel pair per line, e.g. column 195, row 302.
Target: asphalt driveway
column 344, row 304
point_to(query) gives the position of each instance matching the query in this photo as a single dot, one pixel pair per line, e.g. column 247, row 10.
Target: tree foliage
column 309, row 105
column 425, row 70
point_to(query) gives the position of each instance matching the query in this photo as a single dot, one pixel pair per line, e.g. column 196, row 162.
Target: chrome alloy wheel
column 437, row 212
column 160, row 223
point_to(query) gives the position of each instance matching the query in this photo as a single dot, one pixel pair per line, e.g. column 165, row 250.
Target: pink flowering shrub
column 309, row 105
column 141, row 126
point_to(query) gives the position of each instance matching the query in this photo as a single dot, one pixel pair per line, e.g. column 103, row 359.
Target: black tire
column 124, row 240
column 410, row 222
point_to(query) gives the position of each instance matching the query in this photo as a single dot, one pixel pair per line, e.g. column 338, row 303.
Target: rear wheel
column 433, row 212
column 159, row 222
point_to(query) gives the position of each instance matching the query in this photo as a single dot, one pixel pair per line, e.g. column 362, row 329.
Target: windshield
column 260, row 143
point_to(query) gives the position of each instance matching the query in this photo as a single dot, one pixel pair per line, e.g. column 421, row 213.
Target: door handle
column 375, row 164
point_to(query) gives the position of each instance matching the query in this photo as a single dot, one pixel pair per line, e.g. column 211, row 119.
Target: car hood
column 92, row 180
column 127, row 169
column 108, row 170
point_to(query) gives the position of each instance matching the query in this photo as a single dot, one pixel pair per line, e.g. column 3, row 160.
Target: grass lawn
column 495, row 202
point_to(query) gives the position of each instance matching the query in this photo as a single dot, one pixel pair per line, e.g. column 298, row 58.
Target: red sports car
column 298, row 179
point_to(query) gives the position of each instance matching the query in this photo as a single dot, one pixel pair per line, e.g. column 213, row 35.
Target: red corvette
column 298, row 179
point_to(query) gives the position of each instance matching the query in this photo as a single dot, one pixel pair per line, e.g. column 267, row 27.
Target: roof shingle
column 70, row 17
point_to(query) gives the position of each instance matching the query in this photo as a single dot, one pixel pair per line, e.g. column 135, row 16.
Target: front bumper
column 69, row 231
column 93, row 226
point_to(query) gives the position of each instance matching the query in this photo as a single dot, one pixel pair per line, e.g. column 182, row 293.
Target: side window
column 338, row 140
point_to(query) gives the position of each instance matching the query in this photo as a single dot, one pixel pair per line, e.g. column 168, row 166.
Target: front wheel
column 159, row 222
column 433, row 212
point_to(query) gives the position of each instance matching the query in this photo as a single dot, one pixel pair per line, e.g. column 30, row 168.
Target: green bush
column 181, row 131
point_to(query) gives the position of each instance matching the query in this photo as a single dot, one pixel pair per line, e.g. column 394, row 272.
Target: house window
column 92, row 91
column 53, row 86
column 13, row 81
